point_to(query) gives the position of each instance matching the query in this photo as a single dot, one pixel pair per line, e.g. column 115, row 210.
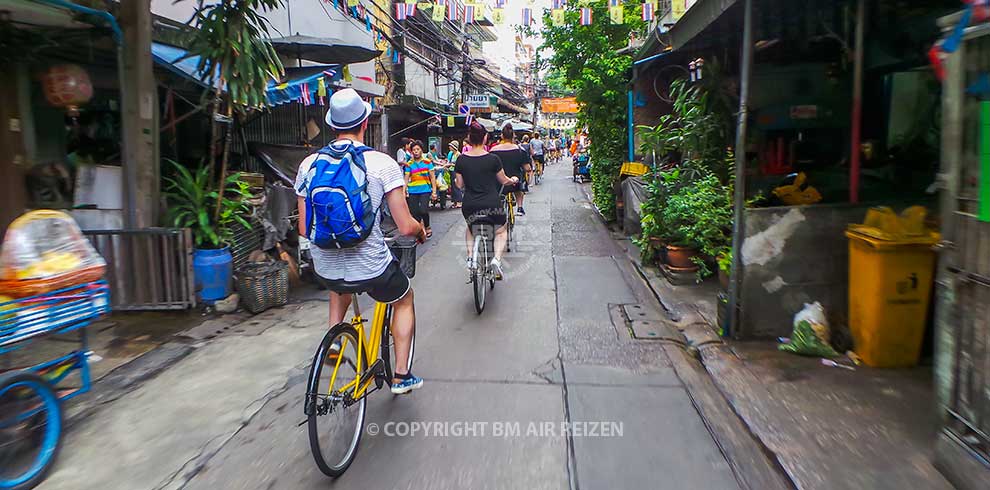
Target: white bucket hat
column 347, row 110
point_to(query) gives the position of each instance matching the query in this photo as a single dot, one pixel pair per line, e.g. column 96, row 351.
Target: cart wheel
column 30, row 429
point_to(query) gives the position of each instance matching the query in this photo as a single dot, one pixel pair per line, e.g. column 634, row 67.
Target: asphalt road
column 542, row 390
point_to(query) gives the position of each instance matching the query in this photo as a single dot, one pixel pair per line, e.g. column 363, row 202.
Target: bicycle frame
column 368, row 346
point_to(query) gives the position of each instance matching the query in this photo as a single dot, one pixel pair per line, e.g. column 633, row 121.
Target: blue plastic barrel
column 213, row 270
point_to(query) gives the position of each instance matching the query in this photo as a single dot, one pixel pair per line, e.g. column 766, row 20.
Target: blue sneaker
column 413, row 382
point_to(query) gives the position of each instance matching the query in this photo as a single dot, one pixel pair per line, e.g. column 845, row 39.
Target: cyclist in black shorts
column 480, row 174
column 515, row 161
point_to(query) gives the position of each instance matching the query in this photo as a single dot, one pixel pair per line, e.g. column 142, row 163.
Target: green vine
column 584, row 60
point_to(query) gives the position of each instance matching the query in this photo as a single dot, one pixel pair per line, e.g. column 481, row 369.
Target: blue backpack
column 339, row 212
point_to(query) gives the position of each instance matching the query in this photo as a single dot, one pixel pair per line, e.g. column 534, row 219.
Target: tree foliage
column 232, row 41
column 585, row 59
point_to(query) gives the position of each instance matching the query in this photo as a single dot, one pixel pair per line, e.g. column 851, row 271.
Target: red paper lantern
column 67, row 86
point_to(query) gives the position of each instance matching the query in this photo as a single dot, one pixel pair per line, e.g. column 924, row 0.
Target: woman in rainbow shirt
column 421, row 185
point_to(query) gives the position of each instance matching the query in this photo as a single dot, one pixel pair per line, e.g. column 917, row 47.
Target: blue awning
column 297, row 81
column 652, row 58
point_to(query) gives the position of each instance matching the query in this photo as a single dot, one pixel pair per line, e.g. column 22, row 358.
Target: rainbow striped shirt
column 419, row 176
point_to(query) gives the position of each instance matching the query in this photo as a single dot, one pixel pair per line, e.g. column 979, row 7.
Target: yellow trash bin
column 890, row 281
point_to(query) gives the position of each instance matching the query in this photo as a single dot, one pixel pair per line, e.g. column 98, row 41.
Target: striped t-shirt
column 370, row 258
column 419, row 176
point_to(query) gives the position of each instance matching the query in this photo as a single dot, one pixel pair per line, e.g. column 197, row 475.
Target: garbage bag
column 811, row 335
column 43, row 251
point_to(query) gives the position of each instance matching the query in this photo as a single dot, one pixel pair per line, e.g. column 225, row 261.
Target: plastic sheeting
column 633, row 194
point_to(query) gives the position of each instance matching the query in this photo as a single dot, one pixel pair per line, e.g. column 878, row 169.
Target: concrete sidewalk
column 826, row 428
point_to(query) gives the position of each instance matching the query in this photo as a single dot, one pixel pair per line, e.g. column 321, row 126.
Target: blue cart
column 582, row 167
column 31, row 395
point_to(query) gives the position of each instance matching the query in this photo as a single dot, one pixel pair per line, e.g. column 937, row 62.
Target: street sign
column 463, row 109
column 478, row 101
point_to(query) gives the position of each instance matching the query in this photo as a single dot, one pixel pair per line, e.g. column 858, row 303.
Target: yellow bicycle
column 351, row 363
column 510, row 217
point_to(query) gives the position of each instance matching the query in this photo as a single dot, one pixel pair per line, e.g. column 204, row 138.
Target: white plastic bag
column 811, row 335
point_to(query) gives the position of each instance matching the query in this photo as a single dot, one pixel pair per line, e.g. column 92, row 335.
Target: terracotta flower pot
column 680, row 257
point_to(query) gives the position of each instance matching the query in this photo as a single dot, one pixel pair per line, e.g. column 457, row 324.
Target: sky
column 503, row 50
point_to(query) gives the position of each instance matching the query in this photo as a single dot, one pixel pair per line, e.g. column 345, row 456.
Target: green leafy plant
column 584, row 61
column 699, row 215
column 237, row 61
column 192, row 204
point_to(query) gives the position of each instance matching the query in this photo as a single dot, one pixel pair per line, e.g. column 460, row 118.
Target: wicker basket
column 263, row 285
column 404, row 250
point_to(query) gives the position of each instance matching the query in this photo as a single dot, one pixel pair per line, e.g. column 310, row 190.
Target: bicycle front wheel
column 334, row 408
column 30, row 429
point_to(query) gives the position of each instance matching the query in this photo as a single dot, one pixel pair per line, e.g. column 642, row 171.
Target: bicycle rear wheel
column 480, row 273
column 30, row 429
column 335, row 420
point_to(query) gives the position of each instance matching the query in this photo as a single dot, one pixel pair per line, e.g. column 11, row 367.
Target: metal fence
column 147, row 269
column 969, row 407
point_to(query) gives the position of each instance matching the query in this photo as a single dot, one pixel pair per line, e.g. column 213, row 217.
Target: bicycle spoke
column 338, row 420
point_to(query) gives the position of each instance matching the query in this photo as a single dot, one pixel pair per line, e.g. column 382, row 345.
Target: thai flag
column 585, row 16
column 469, row 14
column 410, row 9
column 614, row 3
column 647, row 12
column 441, row 2
column 527, row 16
column 558, row 4
column 306, row 97
column 400, row 11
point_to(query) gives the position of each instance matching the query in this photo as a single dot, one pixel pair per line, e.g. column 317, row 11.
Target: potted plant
column 210, row 215
column 698, row 218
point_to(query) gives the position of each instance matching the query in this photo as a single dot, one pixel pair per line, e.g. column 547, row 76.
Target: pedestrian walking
column 421, row 185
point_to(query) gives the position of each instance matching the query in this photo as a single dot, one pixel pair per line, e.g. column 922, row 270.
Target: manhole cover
column 636, row 312
column 654, row 330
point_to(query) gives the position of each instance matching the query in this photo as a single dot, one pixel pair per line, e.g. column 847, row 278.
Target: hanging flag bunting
column 367, row 22
column 450, row 121
column 498, row 16
column 647, row 12
column 585, row 16
column 306, row 98
column 335, row 5
column 500, row 3
column 469, row 14
column 321, row 87
column 410, row 9
column 352, row 3
column 439, row 13
column 558, row 4
column 400, row 11
column 557, row 16
column 527, row 16
column 615, row 14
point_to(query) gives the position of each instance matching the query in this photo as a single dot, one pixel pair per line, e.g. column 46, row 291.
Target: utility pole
column 465, row 68
column 139, row 116
column 536, row 89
